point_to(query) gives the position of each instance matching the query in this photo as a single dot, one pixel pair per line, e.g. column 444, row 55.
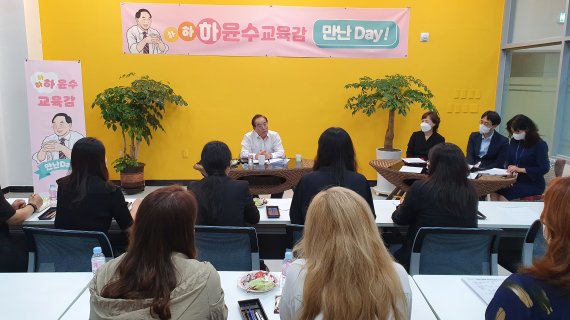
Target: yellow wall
column 301, row 97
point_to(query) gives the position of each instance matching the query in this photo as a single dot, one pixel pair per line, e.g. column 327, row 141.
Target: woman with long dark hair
column 86, row 200
column 335, row 165
column 445, row 199
column 159, row 277
column 541, row 291
column 223, row 200
column 527, row 157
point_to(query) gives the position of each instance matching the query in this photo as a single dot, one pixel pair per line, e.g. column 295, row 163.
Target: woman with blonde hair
column 541, row 291
column 345, row 272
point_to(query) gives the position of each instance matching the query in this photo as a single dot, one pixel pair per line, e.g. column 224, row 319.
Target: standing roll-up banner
column 57, row 119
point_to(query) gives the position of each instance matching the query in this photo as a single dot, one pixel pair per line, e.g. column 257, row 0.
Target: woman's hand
column 515, row 169
column 36, row 200
column 18, row 204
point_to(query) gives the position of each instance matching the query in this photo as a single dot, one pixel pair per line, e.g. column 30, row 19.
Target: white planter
column 383, row 186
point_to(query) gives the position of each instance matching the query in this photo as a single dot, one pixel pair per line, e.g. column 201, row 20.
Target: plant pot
column 132, row 179
column 382, row 185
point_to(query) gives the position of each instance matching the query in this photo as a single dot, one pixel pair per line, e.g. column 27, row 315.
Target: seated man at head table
column 487, row 148
column 262, row 141
column 13, row 259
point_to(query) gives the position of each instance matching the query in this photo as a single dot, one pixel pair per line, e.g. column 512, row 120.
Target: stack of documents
column 414, row 160
column 495, row 172
column 411, row 169
column 484, row 287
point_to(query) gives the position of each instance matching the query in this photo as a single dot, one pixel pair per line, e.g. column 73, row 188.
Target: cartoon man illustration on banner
column 58, row 145
column 144, row 39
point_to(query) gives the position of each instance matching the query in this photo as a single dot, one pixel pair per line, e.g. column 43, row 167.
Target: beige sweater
column 198, row 294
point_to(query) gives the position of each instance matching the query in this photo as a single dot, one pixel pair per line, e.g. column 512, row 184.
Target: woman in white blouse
column 345, row 272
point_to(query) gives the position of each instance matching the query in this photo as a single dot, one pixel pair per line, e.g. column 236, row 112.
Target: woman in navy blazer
column 222, row 200
column 527, row 157
column 494, row 151
column 335, row 165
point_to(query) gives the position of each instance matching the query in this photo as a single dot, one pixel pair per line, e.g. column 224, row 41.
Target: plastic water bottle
column 52, row 193
column 286, row 263
column 250, row 160
column 98, row 259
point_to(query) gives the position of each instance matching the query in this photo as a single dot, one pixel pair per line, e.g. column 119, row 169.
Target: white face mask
column 519, row 136
column 425, row 127
column 483, row 129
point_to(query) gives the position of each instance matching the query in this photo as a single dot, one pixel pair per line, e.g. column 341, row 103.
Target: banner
column 264, row 31
column 57, row 121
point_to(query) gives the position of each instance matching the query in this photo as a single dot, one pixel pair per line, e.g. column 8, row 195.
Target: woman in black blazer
column 222, row 200
column 335, row 165
column 422, row 141
column 86, row 200
column 445, row 199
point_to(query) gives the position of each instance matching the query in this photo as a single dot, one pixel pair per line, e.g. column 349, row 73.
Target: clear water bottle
column 98, row 259
column 286, row 263
column 52, row 193
column 250, row 160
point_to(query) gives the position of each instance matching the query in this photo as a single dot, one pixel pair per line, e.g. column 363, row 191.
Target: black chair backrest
column 56, row 250
column 294, row 234
column 534, row 245
column 469, row 251
column 228, row 248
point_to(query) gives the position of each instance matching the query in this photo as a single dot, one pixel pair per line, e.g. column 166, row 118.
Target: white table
column 420, row 307
column 39, row 295
column 506, row 215
column 451, row 298
column 509, row 215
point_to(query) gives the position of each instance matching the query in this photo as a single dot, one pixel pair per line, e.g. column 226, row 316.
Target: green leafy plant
column 124, row 162
column 395, row 93
column 137, row 110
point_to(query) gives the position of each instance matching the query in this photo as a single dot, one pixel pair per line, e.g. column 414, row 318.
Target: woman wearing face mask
column 422, row 141
column 527, row 157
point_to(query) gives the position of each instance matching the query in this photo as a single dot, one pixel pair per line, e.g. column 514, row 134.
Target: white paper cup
column 261, row 159
column 298, row 158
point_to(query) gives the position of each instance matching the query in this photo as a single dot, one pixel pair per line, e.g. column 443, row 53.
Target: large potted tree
column 137, row 110
column 396, row 93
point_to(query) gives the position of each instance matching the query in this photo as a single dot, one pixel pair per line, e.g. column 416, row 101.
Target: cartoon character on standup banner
column 144, row 39
column 59, row 144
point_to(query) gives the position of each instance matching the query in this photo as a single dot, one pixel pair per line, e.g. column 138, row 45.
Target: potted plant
column 137, row 109
column 395, row 93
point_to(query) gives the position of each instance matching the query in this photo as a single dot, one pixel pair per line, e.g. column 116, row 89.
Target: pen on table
column 251, row 313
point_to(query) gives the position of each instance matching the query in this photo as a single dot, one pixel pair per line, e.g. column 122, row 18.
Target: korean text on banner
column 187, row 29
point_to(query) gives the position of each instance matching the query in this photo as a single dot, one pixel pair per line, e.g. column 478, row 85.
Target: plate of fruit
column 258, row 281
